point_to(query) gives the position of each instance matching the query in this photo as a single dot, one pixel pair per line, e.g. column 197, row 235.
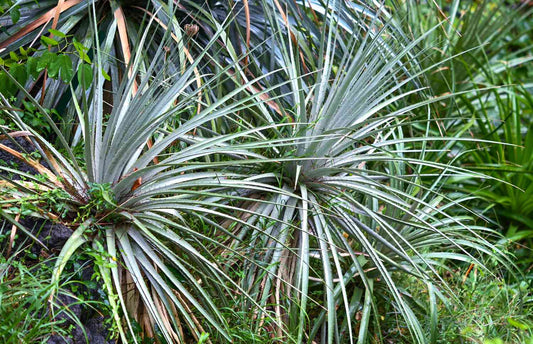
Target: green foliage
column 503, row 116
column 494, row 309
column 295, row 172
column 26, row 65
column 23, row 292
column 511, row 163
column 12, row 8
column 85, row 76
column 101, row 201
column 35, row 118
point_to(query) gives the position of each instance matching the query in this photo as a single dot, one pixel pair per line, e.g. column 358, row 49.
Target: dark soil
column 22, row 145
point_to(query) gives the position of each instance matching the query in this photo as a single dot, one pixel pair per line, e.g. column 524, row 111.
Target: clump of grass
column 493, row 309
column 24, row 295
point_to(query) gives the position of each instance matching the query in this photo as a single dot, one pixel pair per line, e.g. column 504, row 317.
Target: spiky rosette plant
column 308, row 224
column 140, row 206
column 362, row 205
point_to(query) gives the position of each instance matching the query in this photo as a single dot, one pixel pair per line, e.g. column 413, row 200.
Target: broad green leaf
column 61, row 67
column 31, row 67
column 57, row 33
column 85, row 75
column 66, row 69
column 18, row 71
column 15, row 14
column 49, row 41
column 45, row 60
column 53, row 67
column 6, row 85
column 106, row 76
column 82, row 51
